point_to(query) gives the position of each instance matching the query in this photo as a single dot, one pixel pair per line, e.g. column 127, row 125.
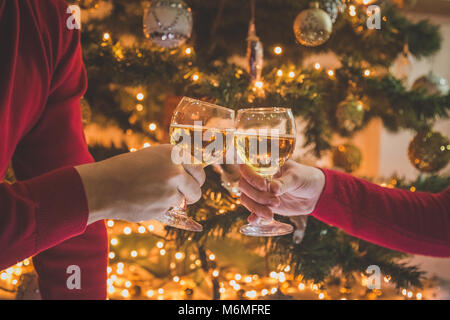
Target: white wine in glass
column 201, row 133
column 265, row 140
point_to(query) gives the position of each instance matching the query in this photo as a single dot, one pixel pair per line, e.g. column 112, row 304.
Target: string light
column 188, row 51
column 259, row 84
column 125, row 293
column 179, row 255
column 215, row 273
column 317, row 66
column 352, row 10
column 238, row 276
column 176, row 279
column 106, row 36
column 150, row 293
column 330, row 73
column 110, row 223
column 141, row 229
column 160, row 244
column 162, row 252
column 112, row 255
column 278, row 50
column 264, row 292
column 152, row 126
column 134, row 253
column 139, row 107
column 195, row 77
column 212, row 256
column 280, row 73
column 366, row 72
column 114, row 241
column 140, row 96
column 151, row 227
column 127, row 230
column 291, row 74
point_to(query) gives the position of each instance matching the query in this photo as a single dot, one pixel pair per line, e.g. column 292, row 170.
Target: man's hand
column 294, row 191
column 139, row 186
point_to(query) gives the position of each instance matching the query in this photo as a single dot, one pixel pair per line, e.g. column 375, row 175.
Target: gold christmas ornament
column 313, row 26
column 350, row 114
column 429, row 151
column 347, row 157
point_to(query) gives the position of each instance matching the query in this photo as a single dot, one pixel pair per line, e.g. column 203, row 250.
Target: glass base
column 177, row 218
column 271, row 229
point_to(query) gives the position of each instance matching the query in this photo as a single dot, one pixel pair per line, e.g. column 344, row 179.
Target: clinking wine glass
column 201, row 133
column 264, row 140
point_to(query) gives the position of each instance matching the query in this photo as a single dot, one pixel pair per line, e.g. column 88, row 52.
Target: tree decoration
column 429, row 151
column 402, row 66
column 255, row 53
column 432, row 84
column 168, row 23
column 313, row 26
column 350, row 114
column 332, row 7
column 347, row 157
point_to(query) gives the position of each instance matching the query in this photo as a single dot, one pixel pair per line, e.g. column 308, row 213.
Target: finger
column 252, row 178
column 261, row 197
column 256, row 208
column 190, row 188
column 196, row 171
column 288, row 181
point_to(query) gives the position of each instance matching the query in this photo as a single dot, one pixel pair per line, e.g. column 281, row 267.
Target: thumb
column 286, row 183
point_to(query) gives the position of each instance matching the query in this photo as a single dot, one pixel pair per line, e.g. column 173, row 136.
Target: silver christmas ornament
column 168, row 23
column 255, row 54
column 431, row 84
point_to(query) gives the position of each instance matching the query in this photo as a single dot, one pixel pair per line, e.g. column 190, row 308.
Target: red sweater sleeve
column 57, row 140
column 412, row 222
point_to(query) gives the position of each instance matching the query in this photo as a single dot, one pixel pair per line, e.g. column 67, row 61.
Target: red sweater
column 42, row 78
column 412, row 222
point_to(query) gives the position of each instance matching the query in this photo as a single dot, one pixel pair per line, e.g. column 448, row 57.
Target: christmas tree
column 142, row 57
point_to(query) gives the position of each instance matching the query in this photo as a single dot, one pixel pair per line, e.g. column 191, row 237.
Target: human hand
column 139, row 186
column 294, row 191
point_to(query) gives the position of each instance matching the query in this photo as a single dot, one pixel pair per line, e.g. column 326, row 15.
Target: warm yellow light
column 222, row 290
column 352, row 10
column 195, row 77
column 248, row 279
column 273, row 275
column 160, row 290
column 330, row 73
column 366, row 72
column 317, row 66
column 120, row 265
column 127, row 284
column 152, row 126
column 419, row 296
column 114, row 241
column 188, row 50
column 321, row 296
column 151, row 227
column 160, row 244
column 264, row 292
column 127, row 230
column 110, row 223
column 301, row 286
column 291, row 74
column 251, row 294
column 281, row 277
column 125, row 293
column 162, row 252
column 112, row 255
column 215, row 273
column 259, row 84
column 280, row 72
column 273, row 290
column 119, row 271
column 106, row 36
column 404, row 292
column 176, row 279
column 410, row 294
column 140, row 96
column 108, row 269
column 141, row 229
column 150, row 293
column 111, row 289
column 139, row 107
column 134, row 253
column 412, row 189
column 238, row 276
column 133, row 149
column 278, row 50
column 179, row 255
column 212, row 256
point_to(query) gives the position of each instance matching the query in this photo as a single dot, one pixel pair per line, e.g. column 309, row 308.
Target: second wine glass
column 264, row 140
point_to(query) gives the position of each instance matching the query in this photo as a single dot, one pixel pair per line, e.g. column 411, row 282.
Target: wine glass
column 264, row 140
column 201, row 133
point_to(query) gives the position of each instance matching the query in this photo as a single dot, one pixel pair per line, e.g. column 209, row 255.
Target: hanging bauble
column 347, row 157
column 255, row 55
column 313, row 26
column 168, row 23
column 402, row 66
column 300, row 228
column 431, row 84
column 332, row 7
column 429, row 151
column 350, row 114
